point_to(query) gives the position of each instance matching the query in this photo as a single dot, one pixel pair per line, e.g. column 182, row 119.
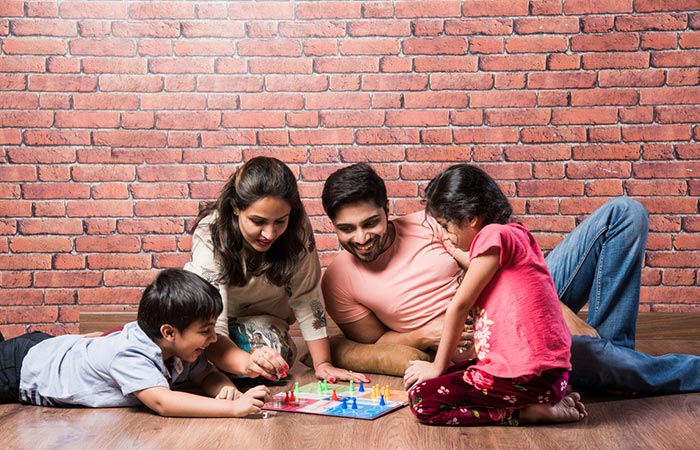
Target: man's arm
column 370, row 330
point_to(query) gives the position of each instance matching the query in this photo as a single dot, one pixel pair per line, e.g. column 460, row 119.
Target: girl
column 256, row 244
column 521, row 341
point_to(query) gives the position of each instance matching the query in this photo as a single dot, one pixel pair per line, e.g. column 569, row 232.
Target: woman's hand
column 268, row 363
column 326, row 371
column 419, row 371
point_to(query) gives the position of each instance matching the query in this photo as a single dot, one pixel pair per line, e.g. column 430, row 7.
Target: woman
column 255, row 243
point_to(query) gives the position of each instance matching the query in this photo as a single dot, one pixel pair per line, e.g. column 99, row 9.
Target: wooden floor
column 662, row 422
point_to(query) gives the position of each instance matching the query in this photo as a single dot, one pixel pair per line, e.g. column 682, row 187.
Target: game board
column 346, row 400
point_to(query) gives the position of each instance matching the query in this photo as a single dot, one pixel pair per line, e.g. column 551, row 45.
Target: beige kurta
column 300, row 300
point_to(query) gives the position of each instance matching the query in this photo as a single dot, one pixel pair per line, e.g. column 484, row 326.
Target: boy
column 139, row 364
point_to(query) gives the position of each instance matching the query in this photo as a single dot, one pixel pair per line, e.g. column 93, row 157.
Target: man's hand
column 431, row 333
column 577, row 326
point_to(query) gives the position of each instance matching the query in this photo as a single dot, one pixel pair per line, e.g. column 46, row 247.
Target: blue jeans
column 600, row 263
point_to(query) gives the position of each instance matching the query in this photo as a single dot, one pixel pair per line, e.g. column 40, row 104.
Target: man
column 396, row 277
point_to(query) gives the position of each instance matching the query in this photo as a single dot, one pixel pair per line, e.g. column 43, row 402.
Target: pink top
column 408, row 285
column 519, row 328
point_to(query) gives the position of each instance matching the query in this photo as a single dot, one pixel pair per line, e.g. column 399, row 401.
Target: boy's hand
column 268, row 363
column 251, row 402
column 228, row 393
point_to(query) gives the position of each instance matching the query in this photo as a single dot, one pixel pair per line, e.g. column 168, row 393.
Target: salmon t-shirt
column 409, row 284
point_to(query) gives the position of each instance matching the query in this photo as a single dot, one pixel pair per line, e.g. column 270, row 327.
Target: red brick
column 106, row 296
column 601, row 97
column 40, row 226
column 536, row 44
column 188, row 120
column 222, row 138
column 466, row 118
column 461, row 81
column 387, row 136
column 17, row 279
column 168, row 208
column 335, row 119
column 614, row 60
column 375, row 154
column 574, row 7
column 101, row 226
column 553, row 134
column 378, row 9
column 370, row 47
column 598, row 169
column 157, row 47
column 337, row 100
column 666, row 5
column 682, row 77
column 394, row 82
column 57, row 137
column 687, row 58
column 316, row 28
column 676, row 114
column 118, row 261
column 546, row 25
column 518, row 116
column 435, row 46
column 476, row 8
column 655, row 187
column 275, row 65
column 106, row 101
column 561, row 80
column 321, row 137
column 298, row 83
column 181, row 65
column 659, row 41
column 328, row 10
column 656, row 133
column 124, row 138
column 591, row 116
column 470, row 27
column 388, row 64
column 502, row 99
column 428, row 27
column 158, row 243
column 320, row 47
column 437, row 8
column 485, row 135
column 266, row 10
column 34, row 46
column 347, row 65
column 19, row 314
column 100, row 208
column 438, row 154
column 302, row 119
column 652, row 22
column 446, row 64
column 94, row 9
column 661, row 170
column 34, row 244
column 498, row 63
column 418, row 118
column 44, row 27
column 265, row 101
column 204, row 47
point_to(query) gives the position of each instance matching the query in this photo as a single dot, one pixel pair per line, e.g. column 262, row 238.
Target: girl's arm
column 481, row 271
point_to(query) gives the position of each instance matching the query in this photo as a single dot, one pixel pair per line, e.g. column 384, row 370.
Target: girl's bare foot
column 569, row 409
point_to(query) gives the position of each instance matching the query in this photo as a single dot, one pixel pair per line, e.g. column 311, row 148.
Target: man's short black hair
column 350, row 185
column 179, row 298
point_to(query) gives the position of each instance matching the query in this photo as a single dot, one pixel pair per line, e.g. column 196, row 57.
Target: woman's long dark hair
column 256, row 179
column 464, row 191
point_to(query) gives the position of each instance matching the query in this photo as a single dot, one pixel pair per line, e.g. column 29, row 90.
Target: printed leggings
column 470, row 396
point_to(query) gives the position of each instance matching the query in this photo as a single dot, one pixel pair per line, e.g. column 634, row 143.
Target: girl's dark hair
column 351, row 185
column 179, row 298
column 465, row 191
column 258, row 178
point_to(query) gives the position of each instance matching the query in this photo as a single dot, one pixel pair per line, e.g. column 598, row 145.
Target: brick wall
column 117, row 118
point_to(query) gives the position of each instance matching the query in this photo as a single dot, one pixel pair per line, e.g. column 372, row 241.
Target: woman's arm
column 228, row 357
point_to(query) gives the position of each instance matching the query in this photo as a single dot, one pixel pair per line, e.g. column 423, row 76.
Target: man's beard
column 379, row 244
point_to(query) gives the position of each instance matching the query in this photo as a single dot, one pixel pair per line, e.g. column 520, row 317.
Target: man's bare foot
column 569, row 409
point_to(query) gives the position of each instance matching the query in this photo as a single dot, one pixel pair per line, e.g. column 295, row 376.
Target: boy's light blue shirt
column 99, row 372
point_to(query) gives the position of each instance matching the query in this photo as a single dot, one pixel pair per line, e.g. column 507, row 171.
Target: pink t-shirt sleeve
column 341, row 303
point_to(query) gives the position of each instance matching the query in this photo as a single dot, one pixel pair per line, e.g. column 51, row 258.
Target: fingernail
column 286, row 367
column 332, row 379
column 283, row 375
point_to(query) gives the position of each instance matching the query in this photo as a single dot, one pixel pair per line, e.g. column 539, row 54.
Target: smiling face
column 189, row 344
column 461, row 235
column 363, row 229
column 263, row 222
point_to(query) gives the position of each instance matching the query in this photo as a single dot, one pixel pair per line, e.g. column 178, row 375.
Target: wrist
column 321, row 364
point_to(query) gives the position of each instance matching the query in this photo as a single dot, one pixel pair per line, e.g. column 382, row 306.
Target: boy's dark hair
column 350, row 185
column 179, row 298
column 464, row 191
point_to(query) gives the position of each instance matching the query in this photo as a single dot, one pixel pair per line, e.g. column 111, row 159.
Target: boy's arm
column 212, row 382
column 169, row 403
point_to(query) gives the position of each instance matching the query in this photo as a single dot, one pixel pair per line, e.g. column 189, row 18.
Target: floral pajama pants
column 470, row 396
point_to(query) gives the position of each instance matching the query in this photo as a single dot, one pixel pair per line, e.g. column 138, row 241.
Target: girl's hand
column 268, row 363
column 228, row 393
column 326, row 371
column 251, row 402
column 419, row 371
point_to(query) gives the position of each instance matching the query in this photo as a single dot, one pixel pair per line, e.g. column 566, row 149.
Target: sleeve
column 202, row 263
column 133, row 371
column 306, row 299
column 439, row 234
column 341, row 304
column 492, row 236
